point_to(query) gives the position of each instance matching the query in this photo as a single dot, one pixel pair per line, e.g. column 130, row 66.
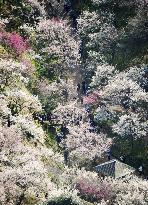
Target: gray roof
column 114, row 168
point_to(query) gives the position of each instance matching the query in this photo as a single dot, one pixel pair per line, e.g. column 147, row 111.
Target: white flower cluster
column 123, row 99
column 121, row 87
column 54, row 37
column 103, row 114
column 64, row 90
column 132, row 192
column 23, row 101
column 99, row 1
column 30, row 129
column 36, row 4
column 70, row 113
column 22, row 169
column 130, row 125
column 88, row 22
column 84, row 145
column 135, row 73
column 98, row 35
column 107, row 34
column 4, row 110
column 10, row 72
column 102, row 75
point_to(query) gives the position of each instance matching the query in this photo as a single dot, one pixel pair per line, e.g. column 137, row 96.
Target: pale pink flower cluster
column 23, row 171
column 64, row 90
column 55, row 38
column 85, row 145
column 70, row 113
column 94, row 189
column 92, row 98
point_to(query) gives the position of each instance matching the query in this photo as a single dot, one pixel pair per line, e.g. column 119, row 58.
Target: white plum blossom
column 69, row 87
column 88, row 22
column 99, row 37
column 99, row 1
column 103, row 114
column 132, row 191
column 36, row 4
column 130, row 125
column 83, row 144
column 102, row 75
column 47, row 8
column 22, row 101
column 18, row 180
column 22, row 169
column 70, row 113
column 31, row 130
column 135, row 73
column 121, row 88
column 4, row 109
column 10, row 72
column 57, row 41
column 10, row 143
column 47, row 89
column 107, row 34
column 64, row 90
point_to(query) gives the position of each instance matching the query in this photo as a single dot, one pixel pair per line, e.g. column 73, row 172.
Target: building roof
column 114, row 168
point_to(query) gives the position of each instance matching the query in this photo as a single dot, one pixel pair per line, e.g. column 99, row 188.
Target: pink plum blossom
column 17, row 42
column 92, row 98
column 94, row 189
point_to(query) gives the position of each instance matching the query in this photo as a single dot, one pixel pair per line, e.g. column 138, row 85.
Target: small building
column 115, row 169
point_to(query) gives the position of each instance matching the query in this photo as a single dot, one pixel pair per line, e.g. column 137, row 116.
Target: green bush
column 62, row 202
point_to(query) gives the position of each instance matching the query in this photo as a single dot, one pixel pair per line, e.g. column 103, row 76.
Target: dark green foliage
column 122, row 13
column 62, row 202
column 80, row 5
column 50, row 139
column 135, row 151
column 20, row 13
column 131, row 46
column 44, row 71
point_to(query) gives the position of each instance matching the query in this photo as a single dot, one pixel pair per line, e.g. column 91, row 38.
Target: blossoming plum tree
column 130, row 125
column 70, row 113
column 58, row 47
column 20, row 101
column 47, row 8
column 24, row 174
column 85, row 145
column 58, row 92
column 106, row 191
column 102, row 75
column 98, row 36
column 10, row 72
column 30, row 172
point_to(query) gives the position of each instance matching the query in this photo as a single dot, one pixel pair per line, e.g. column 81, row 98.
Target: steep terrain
column 68, row 96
